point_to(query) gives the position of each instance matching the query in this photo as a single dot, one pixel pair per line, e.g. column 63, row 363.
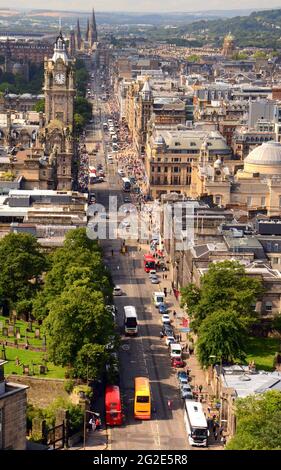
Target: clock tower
column 59, row 87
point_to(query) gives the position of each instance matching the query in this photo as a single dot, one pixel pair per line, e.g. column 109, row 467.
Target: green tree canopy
column 91, row 361
column 21, row 264
column 258, row 422
column 40, row 106
column 76, row 317
column 221, row 334
column 225, row 286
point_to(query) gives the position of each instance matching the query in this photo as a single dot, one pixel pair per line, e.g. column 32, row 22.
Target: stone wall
column 41, row 392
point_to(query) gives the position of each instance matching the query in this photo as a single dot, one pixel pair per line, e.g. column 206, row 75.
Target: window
column 159, row 169
column 152, row 169
column 218, row 200
column 176, row 169
column 268, row 306
column 166, row 169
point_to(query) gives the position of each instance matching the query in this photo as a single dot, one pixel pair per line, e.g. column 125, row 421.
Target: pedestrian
column 170, row 404
column 163, row 276
column 92, row 423
column 200, row 388
column 174, row 314
column 190, row 349
column 216, row 435
column 112, row 252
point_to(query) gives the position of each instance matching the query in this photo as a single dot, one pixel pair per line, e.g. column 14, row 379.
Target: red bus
column 113, row 411
column 149, row 262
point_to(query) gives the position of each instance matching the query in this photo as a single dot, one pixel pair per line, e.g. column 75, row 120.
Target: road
column 146, row 354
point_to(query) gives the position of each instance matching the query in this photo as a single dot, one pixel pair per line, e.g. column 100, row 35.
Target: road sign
column 184, row 330
column 185, row 322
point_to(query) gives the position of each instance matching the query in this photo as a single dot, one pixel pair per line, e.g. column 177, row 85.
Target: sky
column 143, row 5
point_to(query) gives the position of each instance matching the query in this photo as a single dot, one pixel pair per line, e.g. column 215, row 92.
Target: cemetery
column 24, row 347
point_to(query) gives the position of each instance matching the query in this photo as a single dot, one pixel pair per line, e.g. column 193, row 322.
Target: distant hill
column 259, row 29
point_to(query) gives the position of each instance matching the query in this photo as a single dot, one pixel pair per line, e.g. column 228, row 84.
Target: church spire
column 78, row 36
column 93, row 28
column 87, row 31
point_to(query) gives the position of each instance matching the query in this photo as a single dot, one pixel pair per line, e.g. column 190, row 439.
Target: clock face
column 60, row 78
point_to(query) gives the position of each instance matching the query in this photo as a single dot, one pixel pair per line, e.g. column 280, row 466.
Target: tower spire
column 78, row 36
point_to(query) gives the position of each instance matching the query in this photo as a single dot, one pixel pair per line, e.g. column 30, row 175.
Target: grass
column 22, row 325
column 26, row 358
column 262, row 351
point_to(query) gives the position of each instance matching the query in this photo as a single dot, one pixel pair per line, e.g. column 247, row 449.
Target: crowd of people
column 83, row 170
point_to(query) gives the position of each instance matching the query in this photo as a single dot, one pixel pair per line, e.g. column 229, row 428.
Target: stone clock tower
column 59, row 87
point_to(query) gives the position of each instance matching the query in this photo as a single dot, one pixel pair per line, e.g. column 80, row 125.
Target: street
column 144, row 355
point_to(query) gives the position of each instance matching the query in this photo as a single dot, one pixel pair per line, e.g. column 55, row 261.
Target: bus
column 105, row 126
column 149, row 262
column 113, row 409
column 130, row 320
column 126, row 185
column 195, row 423
column 142, row 400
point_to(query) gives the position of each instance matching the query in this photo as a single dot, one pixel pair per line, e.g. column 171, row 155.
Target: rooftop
column 247, row 383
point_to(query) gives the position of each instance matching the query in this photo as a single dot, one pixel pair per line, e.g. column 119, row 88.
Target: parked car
column 117, row 291
column 182, row 377
column 152, row 273
column 177, row 362
column 163, row 308
column 166, row 318
column 167, row 329
column 186, row 392
column 169, row 339
column 154, row 280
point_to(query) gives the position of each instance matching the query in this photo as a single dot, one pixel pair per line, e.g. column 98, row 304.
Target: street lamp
column 219, row 386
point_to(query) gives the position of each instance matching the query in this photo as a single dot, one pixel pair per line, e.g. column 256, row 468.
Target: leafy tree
column 91, row 361
column 260, row 55
column 77, row 317
column 79, row 122
column 258, row 422
column 21, row 264
column 83, row 107
column 40, row 106
column 193, row 58
column 4, row 86
column 221, row 334
column 224, row 287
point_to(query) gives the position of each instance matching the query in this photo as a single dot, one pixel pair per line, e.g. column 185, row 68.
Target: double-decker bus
column 126, row 185
column 113, row 408
column 130, row 320
column 142, row 400
column 149, row 262
column 195, row 423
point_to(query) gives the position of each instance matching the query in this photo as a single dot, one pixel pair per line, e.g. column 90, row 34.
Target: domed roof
column 269, row 153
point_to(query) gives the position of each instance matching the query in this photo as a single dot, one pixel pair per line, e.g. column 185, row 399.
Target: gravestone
column 17, row 330
column 26, row 370
column 5, row 331
column 29, row 328
column 37, row 333
column 11, row 330
column 18, row 335
column 3, row 353
column 42, row 369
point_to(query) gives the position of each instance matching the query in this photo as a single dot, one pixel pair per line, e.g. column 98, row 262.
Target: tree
column 39, row 107
column 76, row 317
column 260, row 55
column 193, row 58
column 225, row 286
column 221, row 334
column 91, row 361
column 21, row 264
column 258, row 422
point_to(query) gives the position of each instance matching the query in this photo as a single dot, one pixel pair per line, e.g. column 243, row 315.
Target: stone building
column 256, row 187
column 13, row 403
column 170, row 154
column 228, row 48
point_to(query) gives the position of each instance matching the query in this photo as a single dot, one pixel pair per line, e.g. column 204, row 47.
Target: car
column 170, row 339
column 154, row 280
column 186, row 392
column 182, row 377
column 152, row 273
column 101, row 179
column 127, row 199
column 166, row 318
column 163, row 308
column 117, row 291
column 167, row 330
column 177, row 362
column 121, row 173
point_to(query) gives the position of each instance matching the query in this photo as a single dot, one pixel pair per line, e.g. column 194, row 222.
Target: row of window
column 165, row 169
column 175, row 180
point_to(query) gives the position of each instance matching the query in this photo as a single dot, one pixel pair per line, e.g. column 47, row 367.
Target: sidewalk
column 95, row 440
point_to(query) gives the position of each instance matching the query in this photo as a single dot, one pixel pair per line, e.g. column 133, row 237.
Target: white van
column 158, row 298
column 175, row 350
